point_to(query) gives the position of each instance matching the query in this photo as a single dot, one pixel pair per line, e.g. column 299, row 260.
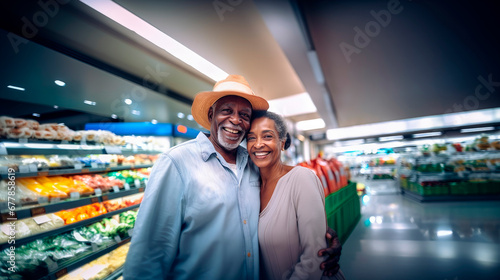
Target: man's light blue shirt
column 197, row 220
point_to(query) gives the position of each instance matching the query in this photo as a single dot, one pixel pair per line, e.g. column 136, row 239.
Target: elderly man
column 199, row 215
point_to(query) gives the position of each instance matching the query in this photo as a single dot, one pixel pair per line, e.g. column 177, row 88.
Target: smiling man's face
column 230, row 120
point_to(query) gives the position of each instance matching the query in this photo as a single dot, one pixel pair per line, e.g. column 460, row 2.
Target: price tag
column 94, row 165
column 74, row 195
column 94, row 247
column 126, row 186
column 94, row 200
column 118, row 239
column 113, row 150
column 37, row 211
column 55, row 200
column 98, row 192
column 116, row 189
column 43, row 173
column 41, row 219
column 3, row 150
column 85, row 170
column 137, row 183
column 9, row 216
column 4, row 169
column 43, row 199
column 141, row 189
column 33, row 168
column 104, row 198
column 130, row 232
column 51, row 265
column 78, row 166
column 61, row 273
column 23, row 140
column 460, row 174
column 24, row 168
column 108, row 169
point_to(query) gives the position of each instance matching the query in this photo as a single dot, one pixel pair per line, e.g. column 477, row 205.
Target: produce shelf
column 115, row 275
column 75, row 171
column 70, row 265
column 37, row 147
column 47, row 208
column 66, row 228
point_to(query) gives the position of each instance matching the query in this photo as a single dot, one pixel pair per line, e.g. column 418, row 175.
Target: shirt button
column 245, row 222
column 249, row 254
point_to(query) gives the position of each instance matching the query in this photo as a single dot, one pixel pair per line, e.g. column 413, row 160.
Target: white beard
column 224, row 144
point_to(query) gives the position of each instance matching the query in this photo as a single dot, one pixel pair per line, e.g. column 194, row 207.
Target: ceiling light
column 301, row 137
column 153, row 121
column 128, row 101
column 390, row 138
column 310, row 124
column 427, row 134
column 135, row 112
column 36, row 115
column 89, row 102
column 114, row 116
column 444, row 232
column 60, row 83
column 128, row 20
column 56, row 107
column 16, row 88
column 190, row 117
column 180, row 115
column 293, row 105
column 477, row 129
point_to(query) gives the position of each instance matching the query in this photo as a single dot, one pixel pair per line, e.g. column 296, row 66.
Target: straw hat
column 232, row 85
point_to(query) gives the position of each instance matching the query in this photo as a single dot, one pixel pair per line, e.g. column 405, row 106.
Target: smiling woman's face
column 263, row 143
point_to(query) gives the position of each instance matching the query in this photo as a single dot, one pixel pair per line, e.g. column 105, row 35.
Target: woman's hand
column 331, row 265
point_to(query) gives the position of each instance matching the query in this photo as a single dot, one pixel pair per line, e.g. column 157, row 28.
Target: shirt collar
column 208, row 149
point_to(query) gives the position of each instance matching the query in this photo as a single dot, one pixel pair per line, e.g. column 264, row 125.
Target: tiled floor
column 398, row 238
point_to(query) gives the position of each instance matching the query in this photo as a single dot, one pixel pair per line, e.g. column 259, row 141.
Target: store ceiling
column 428, row 59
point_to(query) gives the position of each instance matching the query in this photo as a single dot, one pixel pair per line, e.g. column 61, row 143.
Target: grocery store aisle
column 398, row 238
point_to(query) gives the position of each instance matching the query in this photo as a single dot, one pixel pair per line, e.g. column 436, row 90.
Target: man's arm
column 158, row 226
column 331, row 265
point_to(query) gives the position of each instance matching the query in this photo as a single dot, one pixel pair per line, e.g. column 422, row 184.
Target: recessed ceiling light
column 153, row 121
column 36, row 115
column 190, row 117
column 135, row 112
column 16, row 88
column 114, row 116
column 128, row 101
column 89, row 102
column 56, row 107
column 427, row 134
column 477, row 129
column 60, row 83
column 180, row 115
column 310, row 124
column 390, row 138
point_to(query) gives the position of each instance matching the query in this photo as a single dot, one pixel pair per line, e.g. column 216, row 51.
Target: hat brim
column 204, row 100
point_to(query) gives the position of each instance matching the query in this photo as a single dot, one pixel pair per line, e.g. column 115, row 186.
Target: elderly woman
column 291, row 201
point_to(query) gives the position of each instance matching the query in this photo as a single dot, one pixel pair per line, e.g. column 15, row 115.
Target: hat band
column 233, row 86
